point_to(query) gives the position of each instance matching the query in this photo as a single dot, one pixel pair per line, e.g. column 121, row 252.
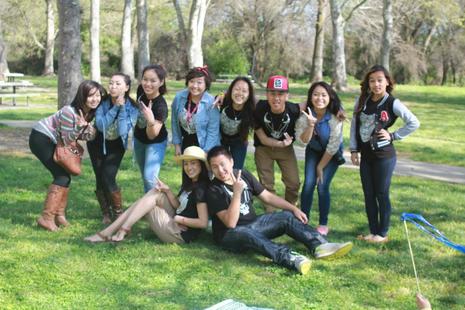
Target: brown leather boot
column 60, row 218
column 104, row 206
column 47, row 220
column 116, row 203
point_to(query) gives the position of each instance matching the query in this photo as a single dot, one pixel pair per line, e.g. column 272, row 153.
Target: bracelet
column 150, row 124
column 353, row 152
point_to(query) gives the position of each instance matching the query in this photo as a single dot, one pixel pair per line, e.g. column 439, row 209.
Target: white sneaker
column 301, row 263
column 332, row 250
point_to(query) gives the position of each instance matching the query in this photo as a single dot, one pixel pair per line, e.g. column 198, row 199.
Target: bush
column 225, row 56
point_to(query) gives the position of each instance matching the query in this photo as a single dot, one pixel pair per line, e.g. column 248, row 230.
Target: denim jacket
column 127, row 118
column 329, row 131
column 207, row 120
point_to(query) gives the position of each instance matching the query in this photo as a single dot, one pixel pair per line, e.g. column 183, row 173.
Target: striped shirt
column 63, row 126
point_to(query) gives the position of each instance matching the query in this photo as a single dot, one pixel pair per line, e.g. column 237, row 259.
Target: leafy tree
column 226, row 56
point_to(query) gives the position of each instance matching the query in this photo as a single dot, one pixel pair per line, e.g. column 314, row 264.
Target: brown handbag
column 69, row 157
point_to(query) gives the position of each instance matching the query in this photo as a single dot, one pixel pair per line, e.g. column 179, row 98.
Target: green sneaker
column 332, row 250
column 301, row 263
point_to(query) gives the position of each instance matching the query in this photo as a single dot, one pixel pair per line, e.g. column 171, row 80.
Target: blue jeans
column 149, row 157
column 376, row 179
column 258, row 234
column 238, row 150
column 312, row 159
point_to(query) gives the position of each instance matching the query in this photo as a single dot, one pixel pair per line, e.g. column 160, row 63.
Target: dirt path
column 14, row 140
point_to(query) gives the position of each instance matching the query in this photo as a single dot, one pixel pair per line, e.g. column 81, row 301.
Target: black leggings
column 106, row 166
column 43, row 148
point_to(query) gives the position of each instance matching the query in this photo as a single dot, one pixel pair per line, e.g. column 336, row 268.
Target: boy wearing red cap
column 275, row 120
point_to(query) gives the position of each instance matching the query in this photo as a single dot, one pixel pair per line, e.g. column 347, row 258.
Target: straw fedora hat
column 192, row 152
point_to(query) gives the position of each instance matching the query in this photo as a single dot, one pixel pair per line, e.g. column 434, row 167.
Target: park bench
column 14, row 84
column 16, row 95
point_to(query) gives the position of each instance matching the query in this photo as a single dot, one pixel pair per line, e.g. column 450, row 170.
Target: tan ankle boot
column 47, row 220
column 60, row 218
column 104, row 206
column 116, row 203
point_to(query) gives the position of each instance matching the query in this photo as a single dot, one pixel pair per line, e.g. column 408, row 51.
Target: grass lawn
column 42, row 270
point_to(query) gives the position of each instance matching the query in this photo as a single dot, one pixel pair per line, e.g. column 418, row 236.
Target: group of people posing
column 210, row 136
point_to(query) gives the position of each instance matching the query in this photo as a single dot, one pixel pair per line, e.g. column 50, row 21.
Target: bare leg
column 123, row 224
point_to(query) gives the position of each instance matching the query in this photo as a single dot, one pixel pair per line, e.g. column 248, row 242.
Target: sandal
column 367, row 238
column 101, row 238
column 121, row 234
column 379, row 239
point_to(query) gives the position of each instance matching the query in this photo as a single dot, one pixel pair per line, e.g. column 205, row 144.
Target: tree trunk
column 386, row 44
column 95, row 40
column 445, row 68
column 182, row 32
column 317, row 62
column 69, row 60
column 3, row 52
column 127, row 50
column 339, row 58
column 196, row 24
column 143, row 35
column 50, row 44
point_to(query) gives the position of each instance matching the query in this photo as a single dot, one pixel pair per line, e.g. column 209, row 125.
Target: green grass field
column 60, row 271
column 42, row 270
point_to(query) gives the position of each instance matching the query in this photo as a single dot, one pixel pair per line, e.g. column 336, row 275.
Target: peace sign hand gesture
column 238, row 184
column 81, row 120
column 310, row 118
column 160, row 186
column 147, row 112
column 287, row 139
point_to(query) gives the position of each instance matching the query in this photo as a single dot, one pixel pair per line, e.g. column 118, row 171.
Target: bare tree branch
column 29, row 26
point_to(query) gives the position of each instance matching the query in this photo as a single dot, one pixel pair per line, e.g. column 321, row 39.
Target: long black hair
column 83, row 92
column 365, row 85
column 187, row 183
column 334, row 102
column 160, row 72
column 249, row 107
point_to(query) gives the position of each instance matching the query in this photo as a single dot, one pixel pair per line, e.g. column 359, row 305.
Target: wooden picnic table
column 14, row 84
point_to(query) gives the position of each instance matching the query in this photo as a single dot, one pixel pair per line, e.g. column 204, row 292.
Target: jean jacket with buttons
column 125, row 116
column 207, row 120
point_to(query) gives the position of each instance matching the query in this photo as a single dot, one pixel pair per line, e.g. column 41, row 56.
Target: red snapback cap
column 277, row 82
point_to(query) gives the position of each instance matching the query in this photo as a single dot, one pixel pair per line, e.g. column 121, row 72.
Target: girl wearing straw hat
column 173, row 218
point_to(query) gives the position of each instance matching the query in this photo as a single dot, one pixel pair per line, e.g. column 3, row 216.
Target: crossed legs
column 122, row 225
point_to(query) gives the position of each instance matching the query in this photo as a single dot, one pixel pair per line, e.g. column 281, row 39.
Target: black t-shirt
column 219, row 197
column 160, row 112
column 188, row 208
column 275, row 125
column 365, row 149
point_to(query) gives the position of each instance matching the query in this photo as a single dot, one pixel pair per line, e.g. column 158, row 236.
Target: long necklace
column 189, row 111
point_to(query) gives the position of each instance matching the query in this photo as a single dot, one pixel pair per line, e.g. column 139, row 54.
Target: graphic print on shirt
column 245, row 198
column 276, row 133
column 183, row 200
column 187, row 125
column 367, row 125
column 229, row 126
